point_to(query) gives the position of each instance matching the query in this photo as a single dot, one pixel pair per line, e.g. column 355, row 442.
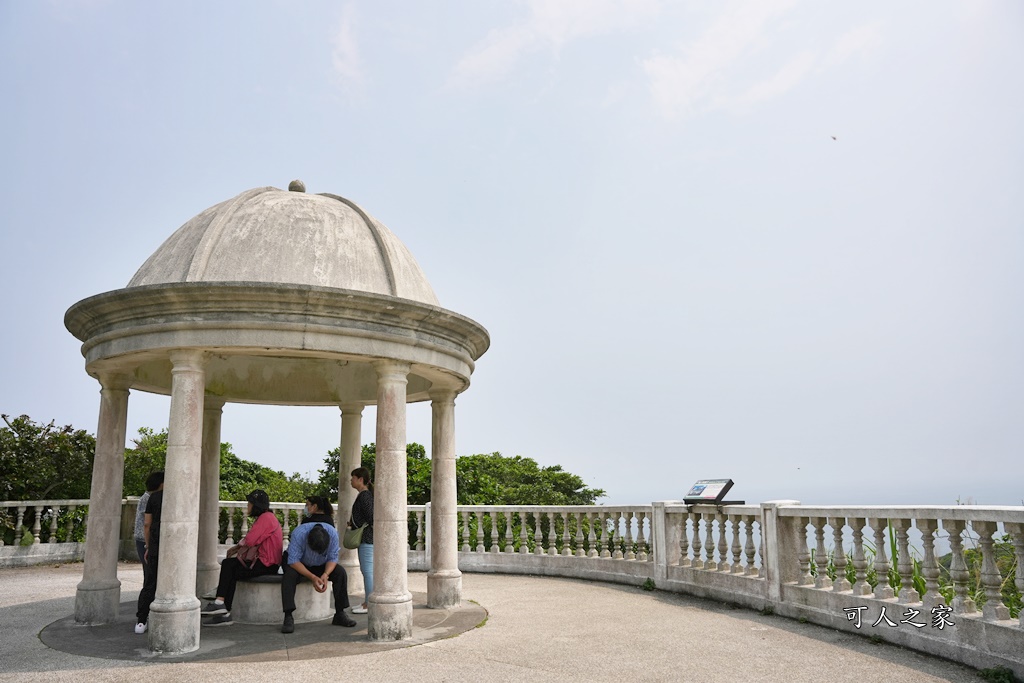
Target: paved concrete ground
column 538, row 629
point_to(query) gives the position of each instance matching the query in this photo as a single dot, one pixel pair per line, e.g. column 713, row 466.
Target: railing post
column 665, row 539
column 781, row 547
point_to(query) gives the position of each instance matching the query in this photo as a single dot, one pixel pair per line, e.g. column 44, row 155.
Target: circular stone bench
column 258, row 601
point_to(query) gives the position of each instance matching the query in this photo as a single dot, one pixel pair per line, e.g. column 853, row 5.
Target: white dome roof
column 273, row 236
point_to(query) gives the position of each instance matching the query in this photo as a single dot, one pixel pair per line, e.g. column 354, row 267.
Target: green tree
column 417, row 471
column 148, row 455
column 495, row 479
column 43, row 461
column 237, row 476
column 487, row 479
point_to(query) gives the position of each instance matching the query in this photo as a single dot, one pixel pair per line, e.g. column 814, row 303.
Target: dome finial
column 296, row 186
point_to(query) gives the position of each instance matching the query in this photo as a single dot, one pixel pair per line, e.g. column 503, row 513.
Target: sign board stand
column 710, row 492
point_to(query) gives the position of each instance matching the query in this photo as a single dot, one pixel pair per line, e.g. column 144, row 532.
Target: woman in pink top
column 266, row 537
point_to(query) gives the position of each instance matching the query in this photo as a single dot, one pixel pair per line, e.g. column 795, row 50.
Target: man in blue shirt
column 313, row 556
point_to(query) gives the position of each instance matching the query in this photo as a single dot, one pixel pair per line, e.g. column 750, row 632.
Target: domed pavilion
column 284, row 298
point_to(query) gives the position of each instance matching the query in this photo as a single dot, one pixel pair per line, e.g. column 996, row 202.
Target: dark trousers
column 338, row 579
column 231, row 570
column 148, row 592
column 140, row 547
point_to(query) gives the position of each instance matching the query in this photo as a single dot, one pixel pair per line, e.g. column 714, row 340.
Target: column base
column 174, row 626
column 390, row 620
column 97, row 602
column 207, row 579
column 444, row 589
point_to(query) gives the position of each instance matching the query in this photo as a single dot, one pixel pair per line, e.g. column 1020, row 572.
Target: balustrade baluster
column 509, row 545
column 883, row 590
column 580, row 550
column 552, row 534
column 538, row 536
column 684, row 540
column 709, row 543
column 21, row 520
column 479, row 531
column 229, row 539
column 566, row 537
column 958, row 574
column 245, row 523
column 420, row 529
column 286, row 526
column 734, row 522
column 804, row 554
column 723, row 547
column 494, row 532
column 822, row 579
column 71, row 524
column 603, row 543
column 1016, row 530
column 55, row 511
column 617, row 554
column 524, row 535
column 860, row 563
column 641, row 537
column 993, row 609
column 464, row 515
column 929, row 567
column 592, row 549
column 697, row 563
column 840, row 584
column 37, row 512
column 904, row 564
column 750, row 569
column 627, row 536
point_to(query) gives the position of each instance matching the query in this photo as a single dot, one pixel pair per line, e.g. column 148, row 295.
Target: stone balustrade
column 42, row 531
column 874, row 570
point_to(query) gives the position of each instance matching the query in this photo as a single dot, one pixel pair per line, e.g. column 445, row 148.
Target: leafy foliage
column 485, row 479
column 417, row 471
column 237, row 476
column 40, row 461
column 494, row 479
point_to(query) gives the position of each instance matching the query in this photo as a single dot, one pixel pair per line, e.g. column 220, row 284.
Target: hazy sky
column 776, row 241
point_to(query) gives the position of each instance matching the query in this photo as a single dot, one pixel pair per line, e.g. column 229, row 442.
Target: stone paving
column 536, row 629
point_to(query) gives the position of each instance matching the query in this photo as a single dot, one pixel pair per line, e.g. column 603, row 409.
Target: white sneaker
column 359, row 610
column 140, row 628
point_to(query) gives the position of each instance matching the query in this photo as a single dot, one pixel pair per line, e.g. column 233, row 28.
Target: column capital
column 394, row 370
column 114, row 381
column 443, row 396
column 351, row 409
column 211, row 402
column 185, row 360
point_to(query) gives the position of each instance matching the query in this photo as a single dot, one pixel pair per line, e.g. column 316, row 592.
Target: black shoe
column 219, row 620
column 289, row 624
column 214, row 608
column 341, row 619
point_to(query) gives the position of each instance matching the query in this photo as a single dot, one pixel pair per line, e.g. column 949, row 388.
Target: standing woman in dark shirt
column 362, row 513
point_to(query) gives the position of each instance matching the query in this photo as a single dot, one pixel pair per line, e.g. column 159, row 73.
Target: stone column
column 444, row 580
column 351, row 457
column 207, row 567
column 390, row 616
column 174, row 620
column 99, row 591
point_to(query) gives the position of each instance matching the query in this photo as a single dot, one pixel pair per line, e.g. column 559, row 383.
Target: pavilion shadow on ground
column 263, row 642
